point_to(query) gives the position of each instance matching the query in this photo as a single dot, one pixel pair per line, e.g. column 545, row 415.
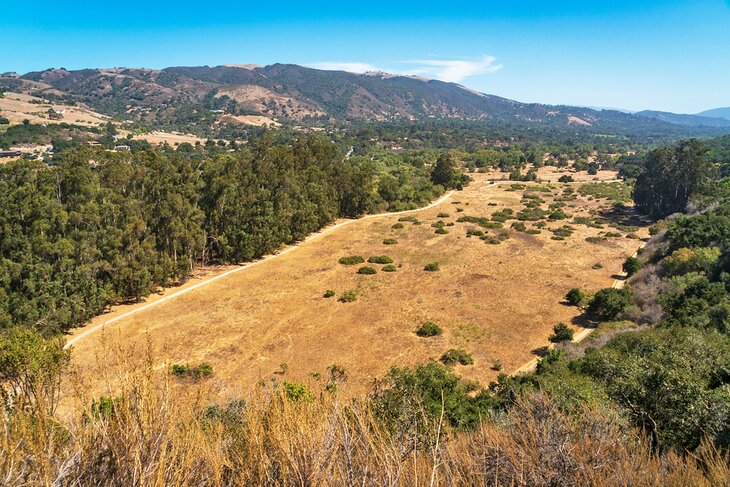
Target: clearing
column 498, row 301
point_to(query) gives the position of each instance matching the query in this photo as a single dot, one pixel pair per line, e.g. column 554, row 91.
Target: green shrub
column 390, row 241
column 441, row 231
column 411, row 219
column 595, row 240
column 609, row 303
column 497, row 365
column 389, row 268
column 297, row 392
column 352, row 260
column 561, row 333
column 631, row 266
column 442, row 215
column 329, row 293
column 575, row 297
column 348, row 296
column 502, row 215
column 473, row 232
column 597, row 266
column 558, row 214
column 397, row 226
column 380, row 259
column 192, row 372
column 367, row 270
column 428, row 329
column 565, row 179
column 456, row 356
column 432, row 267
column 519, row 226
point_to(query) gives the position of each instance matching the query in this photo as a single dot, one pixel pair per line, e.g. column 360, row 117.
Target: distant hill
column 717, row 113
column 699, row 120
column 192, row 98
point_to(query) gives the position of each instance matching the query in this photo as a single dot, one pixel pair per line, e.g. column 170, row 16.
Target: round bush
column 329, row 293
column 389, row 268
column 441, row 231
column 428, row 329
column 609, row 303
column 367, row 270
column 397, row 226
column 348, row 296
column 457, row 356
column 380, row 259
column 432, row 267
column 575, row 297
column 390, row 241
column 561, row 333
column 352, row 260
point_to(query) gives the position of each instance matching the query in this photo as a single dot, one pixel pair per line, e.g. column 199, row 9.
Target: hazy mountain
column 183, row 97
column 686, row 120
column 717, row 113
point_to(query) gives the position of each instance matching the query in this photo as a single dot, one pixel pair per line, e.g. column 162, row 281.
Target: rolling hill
column 717, row 113
column 186, row 98
column 703, row 119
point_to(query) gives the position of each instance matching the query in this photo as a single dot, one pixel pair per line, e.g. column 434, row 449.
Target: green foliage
column 456, row 356
column 446, row 172
column 617, row 192
column 296, row 392
column 442, row 215
column 400, row 401
column 672, row 382
column 380, row 259
column 348, row 296
column 684, row 260
column 367, row 270
column 428, row 329
column 432, row 267
column 389, row 268
column 671, row 175
column 352, row 260
column 561, row 333
column 390, row 241
column 329, row 293
column 566, row 178
column 608, row 304
column 31, row 368
column 576, row 297
column 441, row 231
column 631, row 266
column 194, row 372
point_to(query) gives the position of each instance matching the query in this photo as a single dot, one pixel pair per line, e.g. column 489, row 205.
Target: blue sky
column 670, row 55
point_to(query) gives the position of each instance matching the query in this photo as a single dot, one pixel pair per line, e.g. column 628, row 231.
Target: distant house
column 122, row 147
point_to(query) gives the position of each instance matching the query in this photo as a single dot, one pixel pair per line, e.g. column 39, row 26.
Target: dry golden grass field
column 17, row 107
column 497, row 301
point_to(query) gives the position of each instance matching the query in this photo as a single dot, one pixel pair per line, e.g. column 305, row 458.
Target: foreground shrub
column 561, row 333
column 352, row 260
column 390, row 241
column 428, row 329
column 432, row 267
column 631, row 266
column 329, row 293
column 456, row 356
column 441, row 231
column 389, row 268
column 367, row 270
column 380, row 259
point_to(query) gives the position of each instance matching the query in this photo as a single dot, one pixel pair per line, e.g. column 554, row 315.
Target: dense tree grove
column 77, row 236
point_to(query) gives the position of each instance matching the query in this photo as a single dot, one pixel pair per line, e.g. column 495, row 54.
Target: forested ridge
column 103, row 227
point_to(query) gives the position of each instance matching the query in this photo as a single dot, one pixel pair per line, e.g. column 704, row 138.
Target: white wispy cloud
column 454, row 70
column 352, row 67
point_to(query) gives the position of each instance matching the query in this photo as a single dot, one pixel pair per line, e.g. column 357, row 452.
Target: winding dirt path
column 144, row 306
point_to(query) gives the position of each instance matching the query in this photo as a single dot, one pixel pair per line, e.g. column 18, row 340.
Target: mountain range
column 186, row 98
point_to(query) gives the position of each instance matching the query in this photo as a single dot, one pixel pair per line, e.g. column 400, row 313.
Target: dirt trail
column 583, row 334
column 86, row 331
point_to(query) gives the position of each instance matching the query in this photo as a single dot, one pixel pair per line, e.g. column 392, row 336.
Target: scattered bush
column 390, row 241
column 442, row 215
column 497, row 365
column 367, row 270
column 456, row 356
column 438, row 224
column 575, row 297
column 432, row 267
column 597, row 266
column 380, row 259
column 473, row 232
column 428, row 329
column 561, row 333
column 566, row 179
column 352, row 260
column 397, row 226
column 185, row 371
column 389, row 268
column 348, row 296
column 329, row 293
column 441, row 231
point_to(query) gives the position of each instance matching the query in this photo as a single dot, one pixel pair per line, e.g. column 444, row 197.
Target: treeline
column 103, row 227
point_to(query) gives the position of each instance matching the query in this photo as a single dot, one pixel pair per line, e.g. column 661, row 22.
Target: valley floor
column 499, row 302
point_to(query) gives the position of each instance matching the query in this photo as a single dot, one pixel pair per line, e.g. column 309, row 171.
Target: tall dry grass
column 159, row 432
